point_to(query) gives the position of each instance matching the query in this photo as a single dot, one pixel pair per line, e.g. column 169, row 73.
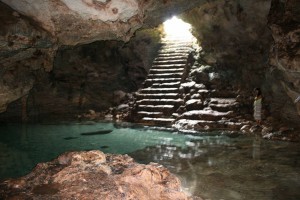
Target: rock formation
column 94, row 175
column 284, row 74
column 236, row 35
column 32, row 31
column 25, row 49
column 257, row 41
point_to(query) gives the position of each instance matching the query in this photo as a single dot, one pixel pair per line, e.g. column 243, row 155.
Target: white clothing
column 257, row 109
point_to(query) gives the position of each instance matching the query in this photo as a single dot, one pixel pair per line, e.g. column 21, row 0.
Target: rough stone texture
column 84, row 21
column 24, row 51
column 235, row 36
column 284, row 76
column 73, row 22
column 34, row 30
column 94, row 175
column 89, row 77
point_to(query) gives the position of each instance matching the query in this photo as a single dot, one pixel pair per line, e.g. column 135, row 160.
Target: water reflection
column 209, row 166
column 219, row 167
column 256, row 148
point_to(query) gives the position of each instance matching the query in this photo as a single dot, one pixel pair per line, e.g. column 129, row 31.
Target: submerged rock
column 94, row 175
column 101, row 132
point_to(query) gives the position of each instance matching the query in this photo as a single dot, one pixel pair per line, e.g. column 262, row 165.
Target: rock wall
column 284, row 75
column 234, row 35
column 238, row 36
column 83, row 21
column 25, row 50
column 87, row 77
column 32, row 31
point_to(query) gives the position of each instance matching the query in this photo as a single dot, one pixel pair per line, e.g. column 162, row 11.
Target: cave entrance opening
column 176, row 28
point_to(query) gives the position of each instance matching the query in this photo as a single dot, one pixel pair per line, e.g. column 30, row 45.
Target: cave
column 110, row 62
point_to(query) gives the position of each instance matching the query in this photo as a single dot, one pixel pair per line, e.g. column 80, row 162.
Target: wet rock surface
column 94, row 175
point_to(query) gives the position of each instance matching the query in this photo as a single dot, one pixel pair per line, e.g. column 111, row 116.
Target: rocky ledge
column 94, row 175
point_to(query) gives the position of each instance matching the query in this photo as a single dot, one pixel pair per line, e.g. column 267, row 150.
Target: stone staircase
column 170, row 97
column 160, row 97
column 209, row 109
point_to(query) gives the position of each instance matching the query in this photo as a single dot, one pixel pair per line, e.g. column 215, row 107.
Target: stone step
column 171, row 54
column 175, row 45
column 171, row 57
column 157, row 96
column 158, row 90
column 204, row 92
column 157, row 121
column 208, row 125
column 166, row 85
column 166, row 109
column 164, row 71
column 170, row 61
column 176, row 41
column 165, row 75
column 209, row 115
column 175, row 50
column 167, row 66
column 223, row 107
column 175, row 102
column 223, row 100
column 149, row 82
column 150, row 114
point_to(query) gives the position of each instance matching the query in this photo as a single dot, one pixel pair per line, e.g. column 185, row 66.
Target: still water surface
column 211, row 166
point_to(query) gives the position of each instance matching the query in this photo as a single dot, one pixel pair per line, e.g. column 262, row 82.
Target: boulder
column 94, row 175
column 194, row 104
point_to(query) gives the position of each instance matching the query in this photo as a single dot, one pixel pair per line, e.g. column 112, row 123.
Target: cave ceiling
column 72, row 22
column 31, row 31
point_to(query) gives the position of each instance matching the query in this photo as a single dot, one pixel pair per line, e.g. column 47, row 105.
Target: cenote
column 210, row 165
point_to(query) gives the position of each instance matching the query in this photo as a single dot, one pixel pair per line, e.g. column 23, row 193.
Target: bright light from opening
column 177, row 28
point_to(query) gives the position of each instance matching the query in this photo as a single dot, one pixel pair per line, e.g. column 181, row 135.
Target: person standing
column 257, row 106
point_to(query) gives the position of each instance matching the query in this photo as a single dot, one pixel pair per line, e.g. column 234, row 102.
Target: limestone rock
column 94, row 175
column 32, row 31
column 24, row 50
column 284, row 22
column 85, row 21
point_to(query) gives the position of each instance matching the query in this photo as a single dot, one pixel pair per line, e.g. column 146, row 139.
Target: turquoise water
column 210, row 166
column 23, row 146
